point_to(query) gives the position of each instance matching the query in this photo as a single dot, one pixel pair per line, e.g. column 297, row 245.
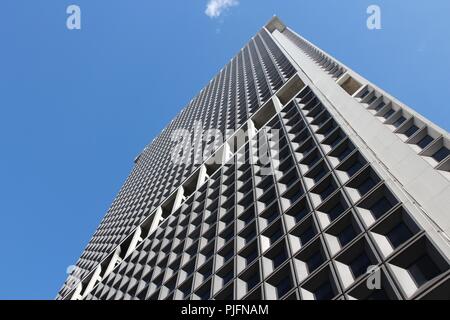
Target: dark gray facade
column 355, row 205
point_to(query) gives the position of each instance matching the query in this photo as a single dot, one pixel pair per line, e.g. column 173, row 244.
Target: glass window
column 336, row 211
column 441, row 154
column 389, row 113
column 425, row 141
column 324, row 292
column 252, row 256
column 359, row 265
column 307, row 235
column 413, row 129
column 227, row 278
column 380, row 207
column 372, row 99
column 354, row 168
column 399, row 234
column 365, row 186
column 275, row 235
column 399, row 121
column 314, row 261
column 279, row 258
column 347, row 235
column 423, row 269
column 253, row 281
column 284, row 286
column 380, row 105
column 327, row 191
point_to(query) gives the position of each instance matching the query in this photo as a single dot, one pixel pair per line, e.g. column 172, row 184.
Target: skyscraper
column 289, row 176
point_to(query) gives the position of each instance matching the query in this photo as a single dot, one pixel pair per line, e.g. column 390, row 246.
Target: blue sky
column 77, row 106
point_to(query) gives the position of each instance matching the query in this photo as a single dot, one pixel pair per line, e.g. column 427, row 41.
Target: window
column 336, row 211
column 228, row 255
column 364, row 94
column 279, row 258
column 228, row 235
column 399, row 121
column 189, row 268
column 300, row 214
column 399, row 234
column 251, row 256
column 380, row 207
column 252, row 281
column 346, row 235
column 319, row 174
column 275, row 235
column 307, row 235
column 389, row 113
column 271, row 216
column 359, row 265
column 327, row 191
column 345, row 152
column 365, row 186
column 227, row 277
column 206, row 271
column 315, row 261
column 423, row 269
column 324, row 292
column 228, row 218
column 372, row 99
column 425, row 141
column 283, row 286
column 208, row 254
column 413, row 129
column 379, row 106
column 352, row 165
column 441, row 154
column 250, row 235
column 204, row 293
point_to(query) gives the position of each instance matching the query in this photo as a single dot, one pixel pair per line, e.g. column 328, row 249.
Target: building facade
column 350, row 201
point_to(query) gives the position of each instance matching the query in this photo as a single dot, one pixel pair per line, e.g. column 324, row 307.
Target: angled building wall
column 356, row 181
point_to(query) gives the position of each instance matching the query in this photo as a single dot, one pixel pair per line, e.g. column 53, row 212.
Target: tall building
column 352, row 202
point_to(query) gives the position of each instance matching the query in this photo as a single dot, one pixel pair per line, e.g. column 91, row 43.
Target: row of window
column 328, row 64
column 284, row 252
column 425, row 140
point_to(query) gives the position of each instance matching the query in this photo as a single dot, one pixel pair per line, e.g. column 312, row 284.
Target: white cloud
column 215, row 8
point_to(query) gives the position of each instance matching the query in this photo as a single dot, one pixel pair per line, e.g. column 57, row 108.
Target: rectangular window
column 380, row 207
column 425, row 141
column 336, row 211
column 441, row 154
column 399, row 234
column 371, row 100
column 413, row 129
column 399, row 121
column 284, row 286
column 314, row 261
column 307, row 235
column 253, row 281
column 389, row 113
column 359, row 265
column 379, row 106
column 324, row 292
column 346, row 235
column 423, row 270
column 365, row 186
